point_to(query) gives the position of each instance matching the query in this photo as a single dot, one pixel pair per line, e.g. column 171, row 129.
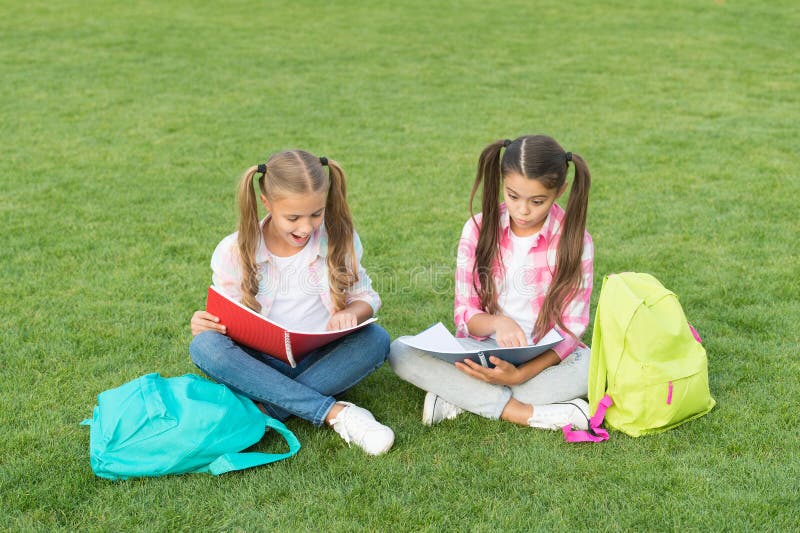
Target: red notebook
column 247, row 327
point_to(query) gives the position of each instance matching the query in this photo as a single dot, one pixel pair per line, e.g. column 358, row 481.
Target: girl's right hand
column 507, row 333
column 203, row 321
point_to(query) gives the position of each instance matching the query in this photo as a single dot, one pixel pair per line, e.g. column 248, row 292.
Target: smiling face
column 528, row 202
column 294, row 218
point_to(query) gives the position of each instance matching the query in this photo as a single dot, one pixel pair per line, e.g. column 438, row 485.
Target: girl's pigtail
column 342, row 265
column 489, row 235
column 568, row 273
column 248, row 237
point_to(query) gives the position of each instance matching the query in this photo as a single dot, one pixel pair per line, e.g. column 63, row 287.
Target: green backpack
column 153, row 426
column 646, row 357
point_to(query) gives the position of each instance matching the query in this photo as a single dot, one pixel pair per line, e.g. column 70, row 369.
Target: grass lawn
column 124, row 128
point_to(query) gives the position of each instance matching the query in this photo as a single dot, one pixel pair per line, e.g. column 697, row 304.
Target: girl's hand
column 503, row 373
column 508, row 334
column 203, row 321
column 343, row 319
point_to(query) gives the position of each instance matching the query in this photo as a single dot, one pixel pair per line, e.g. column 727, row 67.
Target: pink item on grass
column 595, row 433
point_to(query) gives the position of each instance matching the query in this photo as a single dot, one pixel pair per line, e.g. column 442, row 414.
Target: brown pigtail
column 568, row 273
column 489, row 236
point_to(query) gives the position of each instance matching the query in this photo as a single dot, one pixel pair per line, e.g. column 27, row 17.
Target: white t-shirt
column 514, row 298
column 297, row 305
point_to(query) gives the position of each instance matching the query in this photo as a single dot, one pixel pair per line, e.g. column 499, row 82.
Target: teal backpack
column 153, row 426
column 646, row 358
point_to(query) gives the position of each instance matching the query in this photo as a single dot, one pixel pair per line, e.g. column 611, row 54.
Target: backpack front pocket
column 676, row 401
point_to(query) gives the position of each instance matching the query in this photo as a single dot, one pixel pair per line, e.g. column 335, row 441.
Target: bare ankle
column 517, row 412
column 334, row 412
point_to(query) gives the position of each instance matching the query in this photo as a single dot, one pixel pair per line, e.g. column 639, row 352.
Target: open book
column 439, row 342
column 247, row 327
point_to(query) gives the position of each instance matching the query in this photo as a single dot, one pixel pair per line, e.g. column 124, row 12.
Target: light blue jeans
column 565, row 381
column 305, row 391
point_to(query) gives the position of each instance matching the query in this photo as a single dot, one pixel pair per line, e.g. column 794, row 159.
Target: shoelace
column 446, row 408
column 356, row 416
column 576, row 407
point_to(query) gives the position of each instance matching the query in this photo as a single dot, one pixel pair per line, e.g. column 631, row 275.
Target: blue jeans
column 305, row 391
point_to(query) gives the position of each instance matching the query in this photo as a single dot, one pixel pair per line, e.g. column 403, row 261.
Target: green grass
column 124, row 129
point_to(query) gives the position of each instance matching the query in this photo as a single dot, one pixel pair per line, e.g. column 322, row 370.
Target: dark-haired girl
column 524, row 266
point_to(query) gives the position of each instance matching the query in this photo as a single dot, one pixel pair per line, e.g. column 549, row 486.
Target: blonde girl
column 300, row 265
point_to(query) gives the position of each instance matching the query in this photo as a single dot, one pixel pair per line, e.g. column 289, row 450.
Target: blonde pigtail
column 342, row 262
column 249, row 235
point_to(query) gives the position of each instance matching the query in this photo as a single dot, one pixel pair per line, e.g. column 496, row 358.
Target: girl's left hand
column 503, row 373
column 342, row 320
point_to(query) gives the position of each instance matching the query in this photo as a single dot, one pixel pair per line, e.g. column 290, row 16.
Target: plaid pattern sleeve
column 576, row 314
column 362, row 289
column 467, row 302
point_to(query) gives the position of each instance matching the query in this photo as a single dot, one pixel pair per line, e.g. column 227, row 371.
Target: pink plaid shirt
column 538, row 274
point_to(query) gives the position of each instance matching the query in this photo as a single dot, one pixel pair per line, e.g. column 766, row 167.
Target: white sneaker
column 437, row 409
column 557, row 415
column 356, row 424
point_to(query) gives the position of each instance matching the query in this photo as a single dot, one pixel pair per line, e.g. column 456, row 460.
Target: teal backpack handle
column 239, row 461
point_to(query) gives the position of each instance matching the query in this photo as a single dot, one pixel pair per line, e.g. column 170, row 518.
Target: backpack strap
column 595, row 433
column 240, row 461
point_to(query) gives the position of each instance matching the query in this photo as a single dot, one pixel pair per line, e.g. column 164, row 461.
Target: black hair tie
column 568, row 156
column 323, row 161
column 506, row 143
column 262, row 169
